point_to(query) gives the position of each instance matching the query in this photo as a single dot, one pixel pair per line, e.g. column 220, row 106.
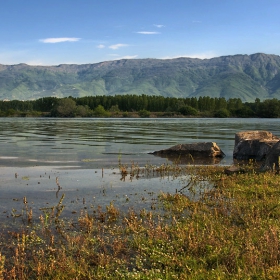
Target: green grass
column 228, row 231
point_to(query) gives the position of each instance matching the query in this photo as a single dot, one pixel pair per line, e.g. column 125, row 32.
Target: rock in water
column 201, row 149
column 253, row 144
column 272, row 159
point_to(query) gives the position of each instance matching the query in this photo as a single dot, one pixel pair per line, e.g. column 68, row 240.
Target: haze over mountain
column 239, row 76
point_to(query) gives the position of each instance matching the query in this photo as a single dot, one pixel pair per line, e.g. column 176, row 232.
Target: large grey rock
column 201, row 149
column 253, row 144
column 272, row 159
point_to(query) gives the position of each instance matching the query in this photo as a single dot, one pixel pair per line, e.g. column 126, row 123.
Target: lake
column 81, row 156
column 100, row 143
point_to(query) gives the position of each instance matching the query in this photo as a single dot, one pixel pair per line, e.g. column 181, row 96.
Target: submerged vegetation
column 140, row 106
column 230, row 230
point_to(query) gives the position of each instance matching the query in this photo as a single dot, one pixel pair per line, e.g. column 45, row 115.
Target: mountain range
column 238, row 76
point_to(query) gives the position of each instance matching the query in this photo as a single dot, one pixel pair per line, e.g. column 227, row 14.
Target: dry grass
column 229, row 231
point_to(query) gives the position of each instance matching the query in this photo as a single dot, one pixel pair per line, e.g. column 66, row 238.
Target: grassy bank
column 229, row 231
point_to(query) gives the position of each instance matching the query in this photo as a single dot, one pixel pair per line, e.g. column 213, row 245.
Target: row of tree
column 143, row 105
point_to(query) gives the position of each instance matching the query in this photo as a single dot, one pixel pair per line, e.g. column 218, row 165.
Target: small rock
column 233, row 170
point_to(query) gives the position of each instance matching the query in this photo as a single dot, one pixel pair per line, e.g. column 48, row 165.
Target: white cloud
column 205, row 55
column 101, row 46
column 117, row 46
column 118, row 57
column 59, row 40
column 129, row 56
column 148, row 32
column 159, row 25
column 35, row 62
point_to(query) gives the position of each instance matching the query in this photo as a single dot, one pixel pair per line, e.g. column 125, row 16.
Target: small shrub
column 188, row 111
column 222, row 113
column 99, row 111
column 144, row 113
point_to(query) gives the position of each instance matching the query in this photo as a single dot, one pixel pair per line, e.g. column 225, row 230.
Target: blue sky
column 52, row 32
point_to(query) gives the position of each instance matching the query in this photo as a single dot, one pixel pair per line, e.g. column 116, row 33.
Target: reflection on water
column 39, row 188
column 97, row 143
column 190, row 160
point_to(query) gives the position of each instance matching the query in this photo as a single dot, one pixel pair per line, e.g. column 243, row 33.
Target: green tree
column 99, row 111
column 245, row 112
column 234, row 104
column 222, row 113
column 66, row 108
column 114, row 109
column 269, row 108
column 144, row 113
column 194, row 102
column 83, row 111
column 45, row 104
column 220, row 103
column 206, row 103
column 188, row 111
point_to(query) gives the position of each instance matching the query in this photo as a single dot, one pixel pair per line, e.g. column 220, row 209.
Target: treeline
column 143, row 106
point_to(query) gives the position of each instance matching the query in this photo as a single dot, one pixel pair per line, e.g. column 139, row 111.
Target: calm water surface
column 100, row 143
column 36, row 154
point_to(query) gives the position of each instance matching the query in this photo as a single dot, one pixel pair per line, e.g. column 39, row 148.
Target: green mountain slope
column 240, row 76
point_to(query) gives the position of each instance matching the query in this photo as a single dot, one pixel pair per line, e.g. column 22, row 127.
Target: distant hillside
column 240, row 76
